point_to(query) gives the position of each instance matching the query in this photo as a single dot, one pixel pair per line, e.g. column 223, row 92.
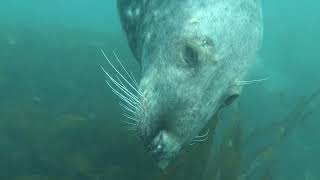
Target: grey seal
column 194, row 56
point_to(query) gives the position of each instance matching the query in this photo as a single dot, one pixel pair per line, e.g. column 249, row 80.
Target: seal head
column 191, row 53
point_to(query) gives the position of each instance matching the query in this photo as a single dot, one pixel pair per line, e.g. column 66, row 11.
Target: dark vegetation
column 58, row 120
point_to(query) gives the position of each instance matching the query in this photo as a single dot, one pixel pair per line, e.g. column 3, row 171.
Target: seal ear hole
column 190, row 55
column 230, row 99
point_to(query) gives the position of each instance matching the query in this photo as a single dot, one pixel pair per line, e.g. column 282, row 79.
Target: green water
column 59, row 120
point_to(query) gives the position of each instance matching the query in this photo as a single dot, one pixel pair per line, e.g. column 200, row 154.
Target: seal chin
column 163, row 164
column 164, row 148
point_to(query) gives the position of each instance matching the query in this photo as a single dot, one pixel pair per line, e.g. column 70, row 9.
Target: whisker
column 124, row 85
column 131, row 78
column 251, row 81
column 129, row 117
column 123, row 89
column 120, row 73
column 134, row 79
column 200, row 140
column 129, row 123
column 113, row 80
column 129, row 93
column 128, row 109
column 204, row 135
column 125, row 99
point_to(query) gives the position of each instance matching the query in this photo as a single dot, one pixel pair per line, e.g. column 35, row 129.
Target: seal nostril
column 158, row 149
column 157, row 146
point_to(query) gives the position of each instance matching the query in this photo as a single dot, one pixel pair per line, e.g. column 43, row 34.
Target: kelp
column 227, row 160
column 47, row 132
column 282, row 129
column 229, row 153
column 230, row 160
column 300, row 113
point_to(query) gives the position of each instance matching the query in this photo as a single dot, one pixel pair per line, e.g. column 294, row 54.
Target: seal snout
column 157, row 146
column 164, row 148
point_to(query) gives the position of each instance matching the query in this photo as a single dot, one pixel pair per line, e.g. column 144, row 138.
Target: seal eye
column 190, row 55
column 231, row 99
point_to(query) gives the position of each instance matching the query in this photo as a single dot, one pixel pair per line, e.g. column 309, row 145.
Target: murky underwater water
column 59, row 120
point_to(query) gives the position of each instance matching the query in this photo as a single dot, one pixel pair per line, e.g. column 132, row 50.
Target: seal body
column 192, row 53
